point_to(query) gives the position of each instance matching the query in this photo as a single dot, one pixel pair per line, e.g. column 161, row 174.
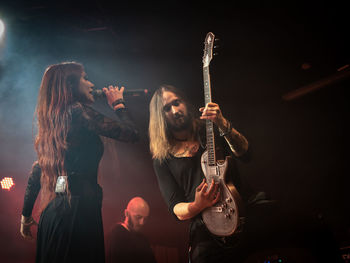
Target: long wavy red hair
column 58, row 92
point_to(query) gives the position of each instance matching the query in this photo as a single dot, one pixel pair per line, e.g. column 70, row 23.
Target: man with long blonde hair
column 176, row 144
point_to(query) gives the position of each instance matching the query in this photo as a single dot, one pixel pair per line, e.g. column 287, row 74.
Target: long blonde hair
column 159, row 134
column 58, row 92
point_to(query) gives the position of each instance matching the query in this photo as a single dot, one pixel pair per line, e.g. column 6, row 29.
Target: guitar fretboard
column 209, row 123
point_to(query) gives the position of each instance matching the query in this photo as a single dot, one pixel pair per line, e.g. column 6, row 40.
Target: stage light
column 7, row 183
column 2, row 28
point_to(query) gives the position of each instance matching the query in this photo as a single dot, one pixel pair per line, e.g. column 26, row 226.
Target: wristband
column 228, row 130
column 119, row 106
column 31, row 220
column 117, row 102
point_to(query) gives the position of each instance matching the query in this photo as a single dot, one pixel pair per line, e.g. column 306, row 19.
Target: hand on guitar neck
column 212, row 112
column 237, row 142
column 205, row 197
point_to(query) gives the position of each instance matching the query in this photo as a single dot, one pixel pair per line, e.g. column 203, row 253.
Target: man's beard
column 132, row 226
column 180, row 126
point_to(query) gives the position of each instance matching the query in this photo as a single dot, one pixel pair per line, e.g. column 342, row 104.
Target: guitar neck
column 209, row 123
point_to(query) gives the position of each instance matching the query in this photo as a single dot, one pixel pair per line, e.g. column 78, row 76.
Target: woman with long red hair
column 69, row 150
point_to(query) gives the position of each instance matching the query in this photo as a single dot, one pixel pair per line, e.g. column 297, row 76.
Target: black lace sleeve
column 32, row 190
column 122, row 129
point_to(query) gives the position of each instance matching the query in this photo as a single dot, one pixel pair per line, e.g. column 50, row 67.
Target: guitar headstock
column 208, row 49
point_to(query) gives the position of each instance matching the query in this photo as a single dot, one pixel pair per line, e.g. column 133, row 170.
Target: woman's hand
column 26, row 223
column 114, row 94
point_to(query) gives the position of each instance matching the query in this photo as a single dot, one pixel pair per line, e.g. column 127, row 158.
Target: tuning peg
column 216, row 46
column 215, row 54
column 216, row 39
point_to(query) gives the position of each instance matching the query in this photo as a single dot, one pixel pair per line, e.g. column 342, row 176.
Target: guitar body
column 226, row 216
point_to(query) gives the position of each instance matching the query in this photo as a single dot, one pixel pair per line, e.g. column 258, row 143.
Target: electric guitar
column 226, row 217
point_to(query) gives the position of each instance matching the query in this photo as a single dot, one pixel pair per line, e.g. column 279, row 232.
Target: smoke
column 20, row 79
column 27, row 53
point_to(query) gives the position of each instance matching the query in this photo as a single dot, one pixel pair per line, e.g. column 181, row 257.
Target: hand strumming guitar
column 204, row 198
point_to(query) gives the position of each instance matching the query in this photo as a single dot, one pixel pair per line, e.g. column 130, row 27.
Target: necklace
column 185, row 149
column 180, row 140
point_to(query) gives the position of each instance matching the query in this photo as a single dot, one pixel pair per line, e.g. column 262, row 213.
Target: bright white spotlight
column 2, row 28
column 7, row 183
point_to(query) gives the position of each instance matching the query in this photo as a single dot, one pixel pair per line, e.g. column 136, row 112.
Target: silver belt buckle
column 61, row 184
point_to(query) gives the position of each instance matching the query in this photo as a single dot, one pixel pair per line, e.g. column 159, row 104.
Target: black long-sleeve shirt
column 85, row 147
column 128, row 246
column 178, row 177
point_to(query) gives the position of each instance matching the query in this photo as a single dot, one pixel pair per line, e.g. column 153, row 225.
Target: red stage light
column 7, row 183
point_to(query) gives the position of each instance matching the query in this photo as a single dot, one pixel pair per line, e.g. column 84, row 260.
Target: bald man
column 125, row 241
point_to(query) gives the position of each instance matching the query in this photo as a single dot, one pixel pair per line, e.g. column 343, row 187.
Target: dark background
column 299, row 145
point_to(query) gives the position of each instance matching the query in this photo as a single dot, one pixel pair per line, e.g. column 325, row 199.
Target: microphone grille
column 98, row 93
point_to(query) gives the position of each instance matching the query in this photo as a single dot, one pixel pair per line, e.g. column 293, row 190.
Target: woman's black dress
column 73, row 232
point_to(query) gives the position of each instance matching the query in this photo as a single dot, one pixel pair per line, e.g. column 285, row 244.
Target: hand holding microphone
column 98, row 93
column 114, row 96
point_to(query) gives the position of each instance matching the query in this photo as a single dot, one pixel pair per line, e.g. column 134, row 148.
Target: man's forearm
column 237, row 142
column 185, row 211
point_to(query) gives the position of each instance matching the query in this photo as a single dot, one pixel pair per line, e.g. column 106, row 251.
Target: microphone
column 98, row 93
